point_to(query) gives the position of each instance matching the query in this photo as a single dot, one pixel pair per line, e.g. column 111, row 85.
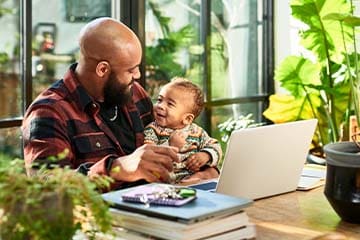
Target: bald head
column 107, row 39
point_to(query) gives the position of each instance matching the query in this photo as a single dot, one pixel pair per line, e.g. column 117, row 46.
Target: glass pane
column 172, row 42
column 10, row 78
column 56, row 27
column 235, row 57
column 10, row 144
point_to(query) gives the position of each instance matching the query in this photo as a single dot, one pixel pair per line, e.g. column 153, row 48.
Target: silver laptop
column 264, row 161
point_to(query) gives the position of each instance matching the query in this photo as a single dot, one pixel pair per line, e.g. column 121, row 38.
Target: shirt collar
column 77, row 91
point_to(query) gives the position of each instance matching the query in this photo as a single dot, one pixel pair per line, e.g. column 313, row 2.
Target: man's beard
column 116, row 93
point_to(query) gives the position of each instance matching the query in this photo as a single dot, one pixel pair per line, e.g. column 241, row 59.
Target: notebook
column 264, row 161
column 160, row 194
column 206, row 205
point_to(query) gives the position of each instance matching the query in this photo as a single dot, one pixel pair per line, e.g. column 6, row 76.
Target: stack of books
column 209, row 215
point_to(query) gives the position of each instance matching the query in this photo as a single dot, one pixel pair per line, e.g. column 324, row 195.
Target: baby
column 178, row 104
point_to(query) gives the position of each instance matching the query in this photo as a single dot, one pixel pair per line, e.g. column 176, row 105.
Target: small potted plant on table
column 52, row 204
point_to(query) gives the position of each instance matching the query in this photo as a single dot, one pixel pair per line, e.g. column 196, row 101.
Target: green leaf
column 346, row 18
column 352, row 21
column 323, row 35
column 341, row 94
column 298, row 75
column 336, row 16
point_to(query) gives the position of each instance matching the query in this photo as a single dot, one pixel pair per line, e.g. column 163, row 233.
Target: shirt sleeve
column 211, row 146
column 45, row 137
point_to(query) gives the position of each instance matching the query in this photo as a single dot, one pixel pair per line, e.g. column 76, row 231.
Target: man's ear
column 102, row 68
column 188, row 119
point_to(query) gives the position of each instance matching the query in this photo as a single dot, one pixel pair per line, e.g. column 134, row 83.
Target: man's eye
column 158, row 100
column 134, row 70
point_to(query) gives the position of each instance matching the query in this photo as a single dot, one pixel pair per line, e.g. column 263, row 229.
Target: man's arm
column 45, row 137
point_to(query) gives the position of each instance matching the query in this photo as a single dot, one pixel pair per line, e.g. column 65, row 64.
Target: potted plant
column 319, row 84
column 343, row 159
column 327, row 89
column 52, row 204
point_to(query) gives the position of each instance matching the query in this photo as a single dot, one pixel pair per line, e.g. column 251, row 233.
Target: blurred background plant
column 5, row 58
column 231, row 124
column 161, row 54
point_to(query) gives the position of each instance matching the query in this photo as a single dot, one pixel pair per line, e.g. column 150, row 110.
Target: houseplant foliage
column 161, row 56
column 231, row 124
column 320, row 86
column 52, row 204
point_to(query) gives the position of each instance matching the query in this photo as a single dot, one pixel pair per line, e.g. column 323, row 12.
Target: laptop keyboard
column 209, row 186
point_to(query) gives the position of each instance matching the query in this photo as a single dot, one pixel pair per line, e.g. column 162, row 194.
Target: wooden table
column 298, row 215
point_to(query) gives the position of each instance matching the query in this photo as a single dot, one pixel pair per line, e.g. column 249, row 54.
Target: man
column 96, row 114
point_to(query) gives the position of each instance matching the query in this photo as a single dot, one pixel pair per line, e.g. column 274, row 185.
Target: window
column 10, row 78
column 223, row 46
column 46, row 43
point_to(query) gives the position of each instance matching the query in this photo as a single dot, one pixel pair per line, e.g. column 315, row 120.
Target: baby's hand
column 177, row 139
column 197, row 160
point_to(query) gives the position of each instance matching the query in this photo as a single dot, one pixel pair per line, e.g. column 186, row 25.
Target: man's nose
column 137, row 73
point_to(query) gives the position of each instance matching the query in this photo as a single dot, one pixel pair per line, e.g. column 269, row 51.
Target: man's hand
column 197, row 160
column 150, row 162
column 177, row 138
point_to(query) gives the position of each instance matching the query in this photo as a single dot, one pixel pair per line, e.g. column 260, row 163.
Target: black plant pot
column 342, row 186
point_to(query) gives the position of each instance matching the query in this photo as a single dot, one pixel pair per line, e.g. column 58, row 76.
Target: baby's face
column 172, row 107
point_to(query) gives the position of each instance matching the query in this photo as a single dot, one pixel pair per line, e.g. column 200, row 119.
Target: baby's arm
column 197, row 160
column 178, row 139
column 210, row 153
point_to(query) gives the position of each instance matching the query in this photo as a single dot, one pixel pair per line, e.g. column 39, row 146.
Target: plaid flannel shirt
column 66, row 117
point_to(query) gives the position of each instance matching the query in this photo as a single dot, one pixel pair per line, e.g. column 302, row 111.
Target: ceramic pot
column 342, row 186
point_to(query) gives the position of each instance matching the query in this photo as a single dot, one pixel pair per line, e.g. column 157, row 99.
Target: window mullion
column 25, row 52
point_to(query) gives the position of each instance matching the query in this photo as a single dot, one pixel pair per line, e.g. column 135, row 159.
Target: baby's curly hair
column 192, row 88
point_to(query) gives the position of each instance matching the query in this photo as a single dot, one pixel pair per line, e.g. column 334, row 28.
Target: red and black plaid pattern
column 66, row 117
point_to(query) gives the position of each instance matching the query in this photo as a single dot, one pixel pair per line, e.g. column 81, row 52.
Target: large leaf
column 298, row 75
column 346, row 18
column 286, row 108
column 323, row 36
